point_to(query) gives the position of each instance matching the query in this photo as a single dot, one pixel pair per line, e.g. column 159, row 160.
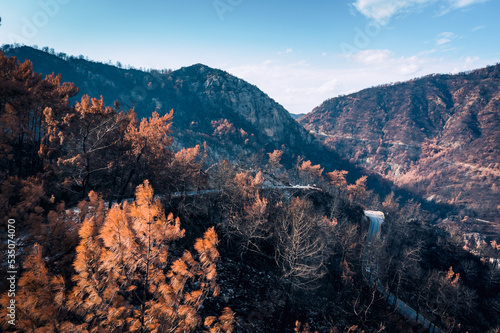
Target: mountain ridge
column 436, row 135
column 202, row 98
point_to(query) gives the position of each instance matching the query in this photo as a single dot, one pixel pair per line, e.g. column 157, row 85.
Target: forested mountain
column 122, row 220
column 235, row 118
column 438, row 136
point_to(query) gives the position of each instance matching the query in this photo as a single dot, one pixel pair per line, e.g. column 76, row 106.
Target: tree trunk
column 129, row 178
column 146, row 282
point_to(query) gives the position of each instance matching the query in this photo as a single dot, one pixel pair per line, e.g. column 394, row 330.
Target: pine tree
column 91, row 142
column 185, row 169
column 223, row 324
column 149, row 141
column 126, row 279
column 23, row 200
column 357, row 191
column 274, row 160
column 337, row 179
column 39, row 297
column 309, row 173
column 24, row 95
column 223, row 128
column 301, row 250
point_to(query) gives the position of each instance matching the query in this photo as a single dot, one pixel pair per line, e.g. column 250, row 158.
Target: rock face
column 202, row 94
column 438, row 136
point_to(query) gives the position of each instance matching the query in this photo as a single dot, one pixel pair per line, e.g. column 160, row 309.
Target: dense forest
column 117, row 230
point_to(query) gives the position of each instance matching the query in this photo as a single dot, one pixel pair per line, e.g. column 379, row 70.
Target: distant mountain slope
column 438, row 136
column 297, row 115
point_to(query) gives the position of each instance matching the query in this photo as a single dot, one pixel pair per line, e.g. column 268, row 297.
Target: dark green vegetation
column 280, row 254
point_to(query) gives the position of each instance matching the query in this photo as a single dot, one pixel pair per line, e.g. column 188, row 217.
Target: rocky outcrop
column 204, row 94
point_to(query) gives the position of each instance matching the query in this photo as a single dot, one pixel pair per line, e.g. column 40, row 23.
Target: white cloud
column 468, row 63
column 298, row 86
column 383, row 59
column 426, row 52
column 410, row 65
column 442, row 41
column 445, row 37
column 371, row 57
column 447, row 34
column 301, row 86
column 383, row 10
column 288, row 50
column 329, row 87
column 451, row 5
column 456, row 4
column 469, row 60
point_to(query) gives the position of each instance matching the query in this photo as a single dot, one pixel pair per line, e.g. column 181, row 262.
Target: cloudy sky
column 298, row 52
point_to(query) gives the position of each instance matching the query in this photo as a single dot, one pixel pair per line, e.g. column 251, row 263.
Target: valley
column 195, row 201
column 436, row 136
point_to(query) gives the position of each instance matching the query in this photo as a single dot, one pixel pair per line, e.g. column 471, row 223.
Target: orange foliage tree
column 274, row 160
column 225, row 322
column 246, row 213
column 125, row 276
column 223, row 128
column 185, row 169
column 104, row 149
column 337, row 179
column 121, row 282
column 149, row 154
column 357, row 191
column 309, row 173
column 24, row 95
column 39, row 298
column 85, row 146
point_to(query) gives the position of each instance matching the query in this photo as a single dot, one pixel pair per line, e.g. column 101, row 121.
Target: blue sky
column 298, row 52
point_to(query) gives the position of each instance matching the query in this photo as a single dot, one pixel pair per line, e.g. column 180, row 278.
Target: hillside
column 201, row 97
column 204, row 246
column 438, row 136
column 238, row 121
